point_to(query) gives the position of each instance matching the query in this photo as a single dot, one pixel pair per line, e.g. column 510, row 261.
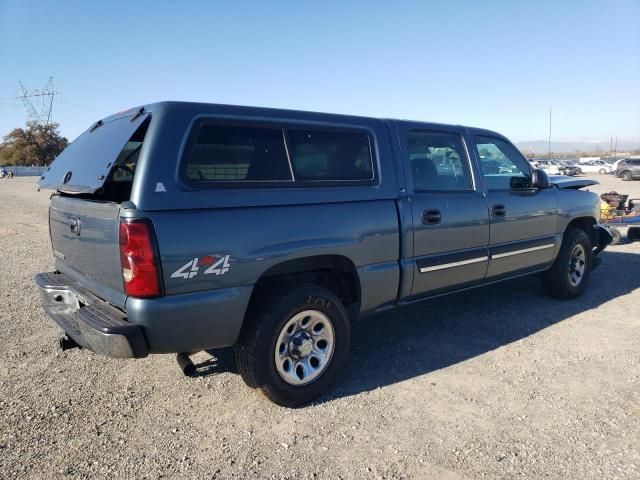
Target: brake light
column 140, row 270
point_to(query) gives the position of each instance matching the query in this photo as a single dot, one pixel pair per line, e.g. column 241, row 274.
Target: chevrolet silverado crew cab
column 178, row 227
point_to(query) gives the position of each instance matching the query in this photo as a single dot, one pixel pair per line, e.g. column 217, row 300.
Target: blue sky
column 494, row 64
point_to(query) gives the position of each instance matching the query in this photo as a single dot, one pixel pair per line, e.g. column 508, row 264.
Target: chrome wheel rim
column 577, row 265
column 304, row 347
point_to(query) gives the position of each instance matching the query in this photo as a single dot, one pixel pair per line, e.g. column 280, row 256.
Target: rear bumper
column 172, row 324
column 90, row 321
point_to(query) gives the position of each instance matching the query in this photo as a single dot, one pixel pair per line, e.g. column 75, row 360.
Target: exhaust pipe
column 186, row 365
column 67, row 343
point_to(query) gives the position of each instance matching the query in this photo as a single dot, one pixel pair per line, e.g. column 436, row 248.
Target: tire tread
column 555, row 282
column 260, row 319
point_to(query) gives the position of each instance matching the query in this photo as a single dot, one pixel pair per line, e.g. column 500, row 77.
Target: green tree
column 34, row 145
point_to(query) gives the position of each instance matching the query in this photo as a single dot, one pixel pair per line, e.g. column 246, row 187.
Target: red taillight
column 140, row 270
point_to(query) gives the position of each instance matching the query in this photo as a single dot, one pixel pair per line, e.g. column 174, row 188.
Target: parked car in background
column 552, row 167
column 596, row 166
column 615, row 164
column 569, row 168
column 628, row 169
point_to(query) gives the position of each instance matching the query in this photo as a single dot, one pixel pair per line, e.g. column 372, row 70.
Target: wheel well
column 336, row 273
column 585, row 224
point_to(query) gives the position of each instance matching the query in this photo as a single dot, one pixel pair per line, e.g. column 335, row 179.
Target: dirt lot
column 499, row 382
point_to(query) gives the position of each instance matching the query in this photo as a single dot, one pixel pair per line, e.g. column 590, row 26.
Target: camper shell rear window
column 86, row 164
column 252, row 155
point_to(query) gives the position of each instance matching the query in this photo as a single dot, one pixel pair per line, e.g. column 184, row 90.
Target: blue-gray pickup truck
column 178, row 227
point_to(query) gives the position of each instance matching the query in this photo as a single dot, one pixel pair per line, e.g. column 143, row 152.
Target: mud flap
column 603, row 237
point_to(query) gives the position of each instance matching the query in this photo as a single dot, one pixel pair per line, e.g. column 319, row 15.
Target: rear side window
column 245, row 154
column 438, row 161
column 222, row 153
column 330, row 156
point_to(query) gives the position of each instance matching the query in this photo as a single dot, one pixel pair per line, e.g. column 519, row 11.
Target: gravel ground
column 500, row 382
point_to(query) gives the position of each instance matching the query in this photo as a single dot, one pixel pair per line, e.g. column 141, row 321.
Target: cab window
column 438, row 161
column 503, row 166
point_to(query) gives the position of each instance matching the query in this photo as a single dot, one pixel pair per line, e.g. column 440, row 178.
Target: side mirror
column 540, row 179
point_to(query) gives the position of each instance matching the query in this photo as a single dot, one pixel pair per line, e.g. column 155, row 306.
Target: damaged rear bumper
column 91, row 322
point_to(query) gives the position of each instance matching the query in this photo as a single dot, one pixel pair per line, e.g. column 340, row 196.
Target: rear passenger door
column 449, row 212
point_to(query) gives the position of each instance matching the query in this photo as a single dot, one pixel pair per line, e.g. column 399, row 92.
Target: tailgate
column 84, row 236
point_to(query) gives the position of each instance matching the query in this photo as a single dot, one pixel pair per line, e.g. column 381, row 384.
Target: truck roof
column 220, row 108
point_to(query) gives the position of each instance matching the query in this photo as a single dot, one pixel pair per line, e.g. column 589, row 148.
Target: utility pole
column 610, row 146
column 44, row 114
column 549, row 133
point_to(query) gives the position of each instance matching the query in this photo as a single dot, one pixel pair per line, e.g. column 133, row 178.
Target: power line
column 44, row 96
column 79, row 107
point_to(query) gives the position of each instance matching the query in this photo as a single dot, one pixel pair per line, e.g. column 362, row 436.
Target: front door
column 524, row 221
column 450, row 215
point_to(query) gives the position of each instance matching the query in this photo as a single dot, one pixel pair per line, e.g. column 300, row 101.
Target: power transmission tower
column 43, row 96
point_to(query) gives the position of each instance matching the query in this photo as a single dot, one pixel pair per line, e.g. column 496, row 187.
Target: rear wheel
column 294, row 345
column 570, row 273
column 626, row 176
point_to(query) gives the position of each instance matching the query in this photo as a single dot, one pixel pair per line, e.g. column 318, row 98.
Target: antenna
column 44, row 114
column 549, row 133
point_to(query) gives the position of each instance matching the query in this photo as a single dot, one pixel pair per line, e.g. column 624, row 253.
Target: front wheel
column 602, row 171
column 294, row 344
column 626, row 176
column 570, row 273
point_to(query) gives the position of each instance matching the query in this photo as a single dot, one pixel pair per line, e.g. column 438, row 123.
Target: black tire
column 633, row 234
column 617, row 236
column 626, row 176
column 256, row 347
column 556, row 282
column 602, row 171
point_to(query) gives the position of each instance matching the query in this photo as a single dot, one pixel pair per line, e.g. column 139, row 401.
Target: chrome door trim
column 453, row 264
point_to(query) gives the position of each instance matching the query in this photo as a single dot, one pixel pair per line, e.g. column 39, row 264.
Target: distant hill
column 542, row 146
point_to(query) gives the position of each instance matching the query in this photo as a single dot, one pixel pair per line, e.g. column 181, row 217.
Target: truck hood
column 571, row 183
column 83, row 166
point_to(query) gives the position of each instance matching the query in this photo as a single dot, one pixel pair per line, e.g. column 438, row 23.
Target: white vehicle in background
column 596, row 166
column 552, row 167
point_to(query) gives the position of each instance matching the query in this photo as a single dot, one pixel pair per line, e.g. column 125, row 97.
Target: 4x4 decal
column 216, row 265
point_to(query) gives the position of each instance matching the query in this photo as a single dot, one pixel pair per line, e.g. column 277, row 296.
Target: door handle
column 498, row 210
column 431, row 217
